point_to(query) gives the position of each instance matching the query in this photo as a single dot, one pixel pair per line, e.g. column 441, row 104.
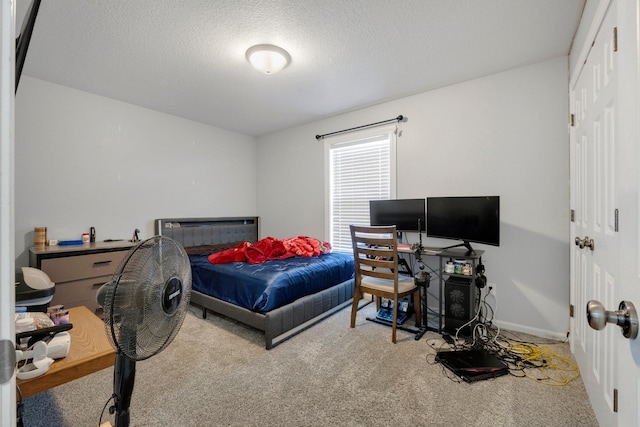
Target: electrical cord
column 493, row 311
column 543, row 365
column 111, row 409
column 524, row 358
column 470, row 322
column 514, row 336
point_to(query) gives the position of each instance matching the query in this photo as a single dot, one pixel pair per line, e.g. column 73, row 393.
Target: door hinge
column 572, row 120
column 615, row 39
column 572, row 215
column 615, row 221
column 570, row 310
column 7, row 360
column 615, row 400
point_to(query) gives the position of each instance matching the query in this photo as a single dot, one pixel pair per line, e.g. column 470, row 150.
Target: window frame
column 351, row 139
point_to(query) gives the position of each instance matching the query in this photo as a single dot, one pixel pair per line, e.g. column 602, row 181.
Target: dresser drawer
column 79, row 292
column 79, row 267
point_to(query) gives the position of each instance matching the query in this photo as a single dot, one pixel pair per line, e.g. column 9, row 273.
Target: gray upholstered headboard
column 208, row 231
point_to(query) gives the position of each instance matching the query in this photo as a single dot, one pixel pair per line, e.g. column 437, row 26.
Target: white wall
column 504, row 134
column 83, row 160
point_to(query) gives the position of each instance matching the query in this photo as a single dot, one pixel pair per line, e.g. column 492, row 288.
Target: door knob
column 589, row 243
column 626, row 317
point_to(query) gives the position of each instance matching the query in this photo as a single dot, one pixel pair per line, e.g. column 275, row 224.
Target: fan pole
column 123, row 378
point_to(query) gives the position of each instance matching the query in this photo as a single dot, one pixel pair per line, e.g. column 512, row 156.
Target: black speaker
column 459, row 304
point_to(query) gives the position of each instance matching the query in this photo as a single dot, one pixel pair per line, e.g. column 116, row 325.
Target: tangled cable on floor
column 525, row 358
column 539, row 363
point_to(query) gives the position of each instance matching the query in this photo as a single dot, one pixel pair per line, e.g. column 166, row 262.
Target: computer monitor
column 405, row 214
column 470, row 219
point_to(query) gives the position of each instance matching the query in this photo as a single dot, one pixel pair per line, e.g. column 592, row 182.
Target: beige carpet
column 218, row 373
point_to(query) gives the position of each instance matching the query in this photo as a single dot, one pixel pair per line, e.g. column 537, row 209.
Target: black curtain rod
column 397, row 119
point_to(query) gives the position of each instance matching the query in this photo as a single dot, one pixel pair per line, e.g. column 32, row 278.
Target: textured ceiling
column 187, row 57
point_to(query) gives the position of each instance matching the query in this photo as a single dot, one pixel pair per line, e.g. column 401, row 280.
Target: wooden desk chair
column 375, row 250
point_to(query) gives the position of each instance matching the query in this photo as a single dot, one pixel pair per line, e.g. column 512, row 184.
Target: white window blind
column 361, row 168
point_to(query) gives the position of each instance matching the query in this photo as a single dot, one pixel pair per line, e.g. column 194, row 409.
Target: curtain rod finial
column 400, row 118
column 318, row 136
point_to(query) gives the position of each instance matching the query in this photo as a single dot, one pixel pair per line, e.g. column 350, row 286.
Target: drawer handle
column 101, row 263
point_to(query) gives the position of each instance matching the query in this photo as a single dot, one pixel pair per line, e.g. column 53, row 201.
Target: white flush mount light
column 268, row 59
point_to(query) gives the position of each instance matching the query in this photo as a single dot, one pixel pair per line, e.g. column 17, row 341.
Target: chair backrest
column 375, row 251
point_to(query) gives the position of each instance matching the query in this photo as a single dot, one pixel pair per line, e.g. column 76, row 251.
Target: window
column 360, row 167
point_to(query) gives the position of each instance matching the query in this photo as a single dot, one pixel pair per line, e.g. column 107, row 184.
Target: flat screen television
column 405, row 214
column 470, row 219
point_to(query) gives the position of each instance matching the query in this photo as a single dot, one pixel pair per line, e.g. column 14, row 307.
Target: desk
column 444, row 254
column 90, row 352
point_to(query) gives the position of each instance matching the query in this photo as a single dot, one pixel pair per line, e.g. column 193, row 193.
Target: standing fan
column 144, row 306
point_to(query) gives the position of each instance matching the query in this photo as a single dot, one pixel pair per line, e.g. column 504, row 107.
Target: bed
column 280, row 311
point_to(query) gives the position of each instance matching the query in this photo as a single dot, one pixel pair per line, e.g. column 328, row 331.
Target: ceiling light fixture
column 268, row 59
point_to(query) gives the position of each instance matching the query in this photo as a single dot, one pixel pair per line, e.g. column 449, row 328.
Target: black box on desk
column 459, row 304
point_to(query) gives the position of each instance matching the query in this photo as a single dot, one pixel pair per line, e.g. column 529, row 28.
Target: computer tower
column 459, row 304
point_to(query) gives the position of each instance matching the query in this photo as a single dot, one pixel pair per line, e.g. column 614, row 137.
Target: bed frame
column 278, row 325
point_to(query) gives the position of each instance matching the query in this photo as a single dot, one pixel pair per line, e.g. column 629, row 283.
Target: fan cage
column 136, row 323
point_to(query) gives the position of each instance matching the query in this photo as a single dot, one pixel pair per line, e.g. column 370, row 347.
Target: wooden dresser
column 79, row 270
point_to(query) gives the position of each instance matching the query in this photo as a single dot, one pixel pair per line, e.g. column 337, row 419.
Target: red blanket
column 271, row 248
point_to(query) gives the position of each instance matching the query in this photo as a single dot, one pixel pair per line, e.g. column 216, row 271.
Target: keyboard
column 432, row 250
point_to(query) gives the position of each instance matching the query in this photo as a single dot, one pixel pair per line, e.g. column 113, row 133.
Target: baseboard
column 516, row 327
column 542, row 333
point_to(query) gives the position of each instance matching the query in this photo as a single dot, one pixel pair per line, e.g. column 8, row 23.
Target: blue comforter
column 264, row 287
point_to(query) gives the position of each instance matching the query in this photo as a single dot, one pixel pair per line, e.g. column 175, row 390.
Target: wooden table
column 90, row 352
